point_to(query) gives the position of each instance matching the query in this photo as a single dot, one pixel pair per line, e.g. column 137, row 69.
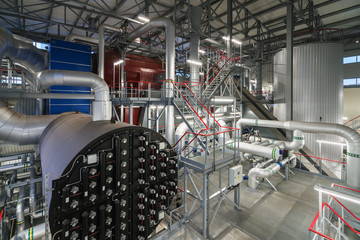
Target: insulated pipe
column 170, row 67
column 73, row 37
column 36, row 232
column 267, row 152
column 20, row 214
column 296, row 144
column 21, row 52
column 102, row 47
column 32, row 193
column 351, row 136
column 256, row 173
column 102, row 103
column 195, row 13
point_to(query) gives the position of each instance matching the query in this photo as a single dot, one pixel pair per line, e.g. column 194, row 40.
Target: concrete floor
column 266, row 214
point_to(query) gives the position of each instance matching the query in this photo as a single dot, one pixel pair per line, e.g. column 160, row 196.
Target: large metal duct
column 102, row 46
column 33, row 59
column 105, row 179
column 37, row 232
column 22, row 129
column 351, row 136
column 195, row 13
column 317, row 91
column 170, row 67
column 102, row 103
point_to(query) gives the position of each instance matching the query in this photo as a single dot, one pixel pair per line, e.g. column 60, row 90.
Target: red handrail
column 311, row 228
column 351, row 120
column 341, row 186
column 320, row 158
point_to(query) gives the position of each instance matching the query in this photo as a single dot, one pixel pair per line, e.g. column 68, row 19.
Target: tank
column 317, row 92
column 105, row 179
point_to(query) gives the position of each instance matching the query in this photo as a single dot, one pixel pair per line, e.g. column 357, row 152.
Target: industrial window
column 351, row 81
column 352, row 59
column 40, row 45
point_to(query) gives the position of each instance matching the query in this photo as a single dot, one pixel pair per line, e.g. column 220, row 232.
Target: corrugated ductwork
column 317, row 91
column 21, row 129
column 33, row 59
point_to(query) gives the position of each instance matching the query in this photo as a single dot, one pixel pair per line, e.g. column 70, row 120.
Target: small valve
column 92, row 184
column 92, row 198
column 141, row 228
column 123, row 214
column 141, row 160
column 108, row 233
column 123, row 203
column 109, row 167
column 123, row 226
column 74, row 222
column 92, row 228
column 123, row 164
column 141, row 206
column 141, row 181
column 141, row 217
column 108, row 208
column 74, row 204
column 74, row 190
column 92, row 215
column 108, row 221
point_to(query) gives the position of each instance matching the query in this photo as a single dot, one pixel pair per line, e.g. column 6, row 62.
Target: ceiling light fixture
column 194, row 62
column 144, row 19
column 236, row 41
column 118, row 62
column 333, row 143
column 201, row 51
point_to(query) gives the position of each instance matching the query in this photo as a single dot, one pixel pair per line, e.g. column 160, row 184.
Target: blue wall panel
column 75, row 57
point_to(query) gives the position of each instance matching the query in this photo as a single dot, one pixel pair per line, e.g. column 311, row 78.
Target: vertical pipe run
column 289, row 60
column 229, row 26
column 195, row 13
column 20, row 214
column 258, row 65
column 170, row 68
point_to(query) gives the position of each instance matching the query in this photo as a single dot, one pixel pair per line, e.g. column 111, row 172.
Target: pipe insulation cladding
column 351, row 136
column 104, row 179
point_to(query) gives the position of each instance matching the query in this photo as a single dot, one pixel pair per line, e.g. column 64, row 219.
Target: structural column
column 289, row 61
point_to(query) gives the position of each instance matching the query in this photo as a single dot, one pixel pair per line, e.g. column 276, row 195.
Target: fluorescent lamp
column 144, row 19
column 345, row 118
column 357, row 41
column 236, row 41
column 201, row 73
column 201, row 51
column 333, row 143
column 226, row 38
column 118, row 62
column 194, row 62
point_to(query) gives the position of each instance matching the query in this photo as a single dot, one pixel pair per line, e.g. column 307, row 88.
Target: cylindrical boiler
column 104, row 179
column 317, row 92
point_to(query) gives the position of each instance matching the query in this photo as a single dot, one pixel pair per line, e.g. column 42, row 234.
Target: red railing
column 330, row 160
column 311, row 228
column 351, row 120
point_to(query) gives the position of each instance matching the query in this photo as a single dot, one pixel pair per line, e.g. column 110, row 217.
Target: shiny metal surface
column 102, row 103
column 21, row 129
column 33, row 59
column 317, row 93
column 170, row 67
column 351, row 136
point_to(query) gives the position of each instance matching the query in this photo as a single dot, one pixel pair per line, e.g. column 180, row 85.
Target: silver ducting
column 74, row 37
column 102, row 47
column 195, row 13
column 102, row 103
column 351, row 136
column 256, row 173
column 33, row 59
column 21, row 129
column 20, row 206
column 267, row 152
column 170, row 67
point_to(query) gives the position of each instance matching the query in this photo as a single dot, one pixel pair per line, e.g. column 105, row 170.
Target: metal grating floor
column 266, row 214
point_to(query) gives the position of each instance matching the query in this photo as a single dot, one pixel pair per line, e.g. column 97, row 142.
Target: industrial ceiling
column 252, row 20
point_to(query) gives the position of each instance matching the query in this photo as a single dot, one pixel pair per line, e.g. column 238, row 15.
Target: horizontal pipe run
column 351, row 136
column 267, row 152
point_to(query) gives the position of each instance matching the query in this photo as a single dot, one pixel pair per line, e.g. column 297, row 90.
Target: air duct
column 102, row 47
column 170, row 67
column 102, row 103
column 351, row 136
column 23, row 53
column 195, row 13
column 36, row 232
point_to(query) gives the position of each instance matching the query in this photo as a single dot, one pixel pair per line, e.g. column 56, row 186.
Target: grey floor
column 266, row 214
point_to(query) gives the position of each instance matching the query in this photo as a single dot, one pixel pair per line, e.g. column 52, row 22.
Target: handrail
column 346, row 208
column 311, row 228
column 351, row 119
column 341, row 186
column 330, row 160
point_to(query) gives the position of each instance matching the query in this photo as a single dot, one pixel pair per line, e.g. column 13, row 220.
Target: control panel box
column 235, row 175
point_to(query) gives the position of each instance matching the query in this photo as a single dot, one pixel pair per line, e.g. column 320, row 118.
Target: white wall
column 351, row 103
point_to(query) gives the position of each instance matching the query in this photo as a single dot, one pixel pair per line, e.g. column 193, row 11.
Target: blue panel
column 74, row 57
